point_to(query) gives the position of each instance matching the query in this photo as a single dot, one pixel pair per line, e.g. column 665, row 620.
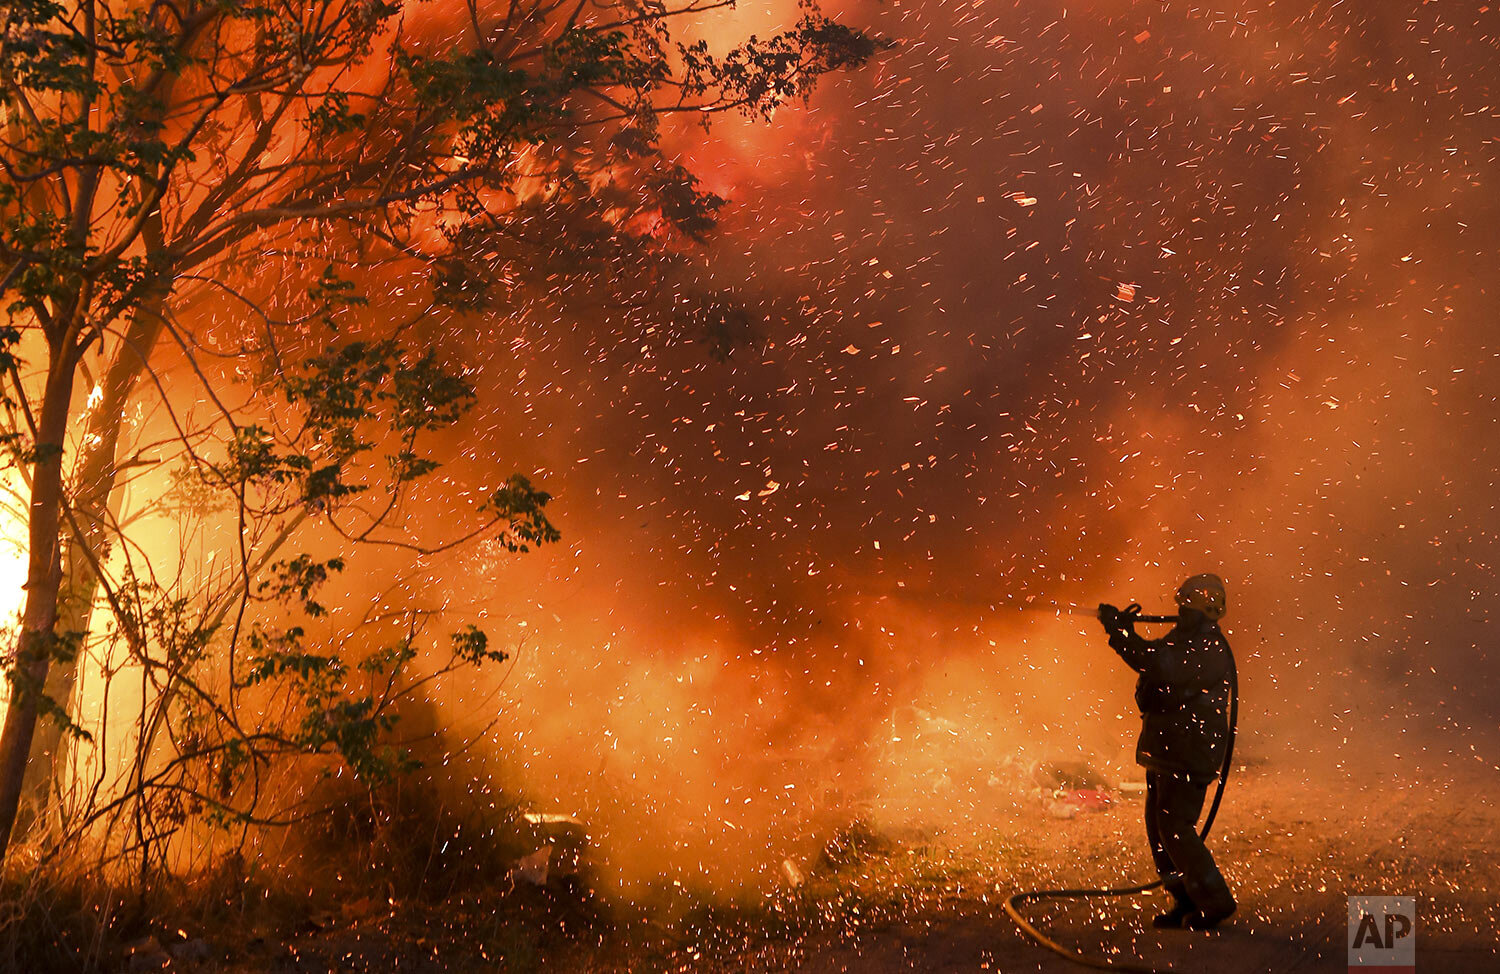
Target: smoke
column 1051, row 303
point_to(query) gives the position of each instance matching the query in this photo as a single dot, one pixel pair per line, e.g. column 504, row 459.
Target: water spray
column 1129, row 615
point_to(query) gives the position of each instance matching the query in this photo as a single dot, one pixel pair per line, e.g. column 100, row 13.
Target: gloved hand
column 1111, row 616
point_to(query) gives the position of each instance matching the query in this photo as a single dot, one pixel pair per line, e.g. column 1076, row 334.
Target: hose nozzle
column 1128, row 616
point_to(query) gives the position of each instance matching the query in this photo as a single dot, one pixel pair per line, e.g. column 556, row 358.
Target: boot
column 1174, row 918
column 1210, row 917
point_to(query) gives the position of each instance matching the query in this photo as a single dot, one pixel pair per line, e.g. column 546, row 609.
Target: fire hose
column 1012, row 905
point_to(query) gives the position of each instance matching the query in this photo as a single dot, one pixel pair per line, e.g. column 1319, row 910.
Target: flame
column 13, row 550
column 13, row 547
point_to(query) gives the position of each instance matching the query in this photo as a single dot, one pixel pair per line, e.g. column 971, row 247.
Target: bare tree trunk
column 96, row 500
column 36, row 644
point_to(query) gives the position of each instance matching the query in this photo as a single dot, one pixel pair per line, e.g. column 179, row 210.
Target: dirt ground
column 930, row 898
column 1293, row 850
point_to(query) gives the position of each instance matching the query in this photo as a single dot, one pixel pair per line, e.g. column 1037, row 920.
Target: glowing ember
column 1045, row 305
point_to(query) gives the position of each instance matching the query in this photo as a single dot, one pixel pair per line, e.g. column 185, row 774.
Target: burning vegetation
column 595, row 484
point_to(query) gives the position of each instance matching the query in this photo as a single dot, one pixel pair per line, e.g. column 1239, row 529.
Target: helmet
column 1205, row 593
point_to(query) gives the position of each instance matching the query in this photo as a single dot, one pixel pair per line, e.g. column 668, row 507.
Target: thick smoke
column 1049, row 305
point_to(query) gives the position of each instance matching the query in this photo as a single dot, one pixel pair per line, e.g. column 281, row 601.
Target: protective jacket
column 1182, row 694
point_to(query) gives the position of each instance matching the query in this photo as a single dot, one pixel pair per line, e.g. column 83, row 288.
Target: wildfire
column 12, row 564
column 12, row 550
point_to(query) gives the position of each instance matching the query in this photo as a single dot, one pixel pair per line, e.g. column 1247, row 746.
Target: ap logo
column 1382, row 934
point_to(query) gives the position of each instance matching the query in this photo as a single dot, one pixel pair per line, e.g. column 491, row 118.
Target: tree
column 155, row 153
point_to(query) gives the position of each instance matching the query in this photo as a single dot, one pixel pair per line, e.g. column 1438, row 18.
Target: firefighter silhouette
column 1182, row 693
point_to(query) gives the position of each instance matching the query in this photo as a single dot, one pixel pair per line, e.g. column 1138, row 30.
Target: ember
column 719, row 424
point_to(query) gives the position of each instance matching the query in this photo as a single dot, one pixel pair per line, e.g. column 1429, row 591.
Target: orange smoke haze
column 1047, row 310
column 1050, row 304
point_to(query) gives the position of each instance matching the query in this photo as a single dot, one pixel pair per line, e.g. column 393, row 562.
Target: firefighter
column 1182, row 694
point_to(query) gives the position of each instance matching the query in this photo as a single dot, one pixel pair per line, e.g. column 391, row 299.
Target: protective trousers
column 1174, row 800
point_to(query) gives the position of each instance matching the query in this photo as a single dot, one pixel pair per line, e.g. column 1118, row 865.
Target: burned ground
column 910, row 898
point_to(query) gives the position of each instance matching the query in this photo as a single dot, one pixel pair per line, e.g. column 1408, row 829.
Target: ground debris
column 146, row 954
column 854, row 843
column 193, row 951
column 560, row 845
